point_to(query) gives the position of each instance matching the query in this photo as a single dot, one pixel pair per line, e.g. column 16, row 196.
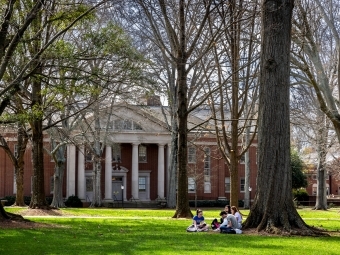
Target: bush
column 27, row 200
column 213, row 203
column 300, row 195
column 73, row 201
column 10, row 200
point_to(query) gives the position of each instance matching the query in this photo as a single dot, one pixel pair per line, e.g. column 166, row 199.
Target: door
column 143, row 188
column 117, row 191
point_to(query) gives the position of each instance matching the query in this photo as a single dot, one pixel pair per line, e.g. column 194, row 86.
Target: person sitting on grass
column 238, row 216
column 198, row 221
column 227, row 209
column 229, row 221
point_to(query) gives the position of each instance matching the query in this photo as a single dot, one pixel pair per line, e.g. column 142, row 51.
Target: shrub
column 10, row 200
column 300, row 195
column 209, row 203
column 73, row 201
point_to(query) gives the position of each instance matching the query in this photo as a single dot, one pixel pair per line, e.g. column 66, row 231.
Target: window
column 314, row 191
column 116, row 153
column 127, row 125
column 137, row 126
column 207, row 165
column 242, row 182
column 109, row 125
column 191, row 155
column 118, row 124
column 314, row 176
column 89, row 183
column 227, row 185
column 242, row 159
column 191, row 184
column 88, row 155
column 142, row 183
column 142, row 153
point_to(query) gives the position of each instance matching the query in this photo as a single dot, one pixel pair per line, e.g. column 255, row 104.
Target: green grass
column 131, row 231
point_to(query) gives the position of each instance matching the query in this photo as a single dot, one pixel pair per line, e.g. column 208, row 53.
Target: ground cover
column 131, row 231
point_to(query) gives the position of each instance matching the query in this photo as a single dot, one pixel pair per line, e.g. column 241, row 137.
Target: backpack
column 228, row 230
column 191, row 228
column 215, row 224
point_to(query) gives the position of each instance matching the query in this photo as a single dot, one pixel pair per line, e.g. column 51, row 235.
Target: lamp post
column 250, row 197
column 122, row 188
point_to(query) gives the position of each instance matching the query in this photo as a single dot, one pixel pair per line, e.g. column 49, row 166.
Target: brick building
column 134, row 163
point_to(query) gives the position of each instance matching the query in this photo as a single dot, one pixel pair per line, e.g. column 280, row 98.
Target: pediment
column 127, row 118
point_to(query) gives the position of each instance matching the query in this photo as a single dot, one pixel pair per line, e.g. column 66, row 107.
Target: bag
column 215, row 224
column 228, row 230
column 238, row 231
column 191, row 228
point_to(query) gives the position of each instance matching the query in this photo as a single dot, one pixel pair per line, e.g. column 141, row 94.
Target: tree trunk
column 321, row 199
column 58, row 200
column 97, row 197
column 273, row 209
column 234, row 35
column 38, row 199
column 183, row 209
column 171, row 197
column 19, row 166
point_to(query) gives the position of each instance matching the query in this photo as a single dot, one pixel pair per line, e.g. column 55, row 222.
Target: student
column 237, row 215
column 227, row 209
column 198, row 221
column 229, row 221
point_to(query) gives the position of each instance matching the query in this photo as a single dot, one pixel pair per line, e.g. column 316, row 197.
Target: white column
column 71, row 171
column 161, row 171
column 81, row 174
column 108, row 173
column 134, row 171
column 168, row 160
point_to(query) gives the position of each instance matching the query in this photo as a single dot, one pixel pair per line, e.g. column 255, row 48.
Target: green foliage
column 73, row 201
column 213, row 203
column 300, row 195
column 69, row 13
column 299, row 179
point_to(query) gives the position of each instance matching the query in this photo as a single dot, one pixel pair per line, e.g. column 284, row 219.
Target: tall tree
column 273, row 209
column 315, row 64
column 233, row 106
column 179, row 31
column 27, row 22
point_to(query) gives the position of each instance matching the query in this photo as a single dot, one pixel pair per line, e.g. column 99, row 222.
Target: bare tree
column 314, row 65
column 234, row 105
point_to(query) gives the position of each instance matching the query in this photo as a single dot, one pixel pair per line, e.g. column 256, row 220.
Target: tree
column 23, row 23
column 273, row 209
column 179, row 32
column 233, row 106
column 316, row 67
column 17, row 158
column 299, row 179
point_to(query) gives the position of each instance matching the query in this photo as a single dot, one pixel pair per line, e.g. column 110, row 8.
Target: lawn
column 132, row 231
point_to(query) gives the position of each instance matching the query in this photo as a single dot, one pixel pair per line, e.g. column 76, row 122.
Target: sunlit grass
column 147, row 231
